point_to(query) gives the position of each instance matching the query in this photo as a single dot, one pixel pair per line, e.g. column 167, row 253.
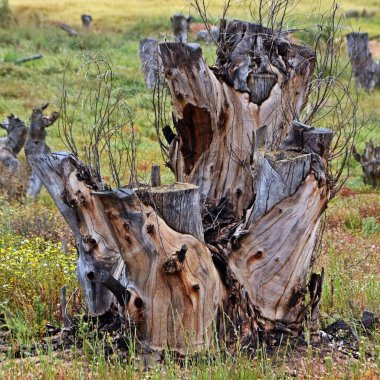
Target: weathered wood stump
column 68, row 29
column 86, row 21
column 36, row 144
column 227, row 251
column 150, row 61
column 366, row 70
column 370, row 163
column 181, row 26
column 208, row 36
column 155, row 177
column 11, row 173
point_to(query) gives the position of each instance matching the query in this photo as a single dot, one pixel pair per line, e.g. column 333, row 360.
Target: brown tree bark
column 228, row 249
column 366, row 70
column 370, row 162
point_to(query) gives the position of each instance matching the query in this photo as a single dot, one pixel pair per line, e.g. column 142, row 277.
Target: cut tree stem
column 228, row 251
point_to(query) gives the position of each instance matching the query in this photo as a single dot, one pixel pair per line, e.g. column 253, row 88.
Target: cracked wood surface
column 215, row 118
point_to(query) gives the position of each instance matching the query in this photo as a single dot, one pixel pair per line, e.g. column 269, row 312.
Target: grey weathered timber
column 366, row 70
column 178, row 205
column 262, row 198
column 370, row 163
column 28, row 59
column 86, row 21
column 11, row 173
column 56, row 172
column 150, row 61
column 156, row 176
column 68, row 29
column 180, row 26
column 36, row 143
column 208, row 36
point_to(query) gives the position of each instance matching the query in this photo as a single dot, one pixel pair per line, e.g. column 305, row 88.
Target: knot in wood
column 72, row 202
column 139, row 302
column 233, row 298
column 168, row 73
column 89, row 243
column 80, row 198
column 181, row 254
column 172, row 266
column 150, row 229
column 297, row 296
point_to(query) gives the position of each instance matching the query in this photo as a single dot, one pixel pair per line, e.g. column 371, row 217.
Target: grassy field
column 33, row 266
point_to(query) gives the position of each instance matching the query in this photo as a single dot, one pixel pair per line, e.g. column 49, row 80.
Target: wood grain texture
column 175, row 287
column 227, row 249
column 69, row 183
column 216, row 120
column 178, row 205
column 273, row 259
column 180, row 26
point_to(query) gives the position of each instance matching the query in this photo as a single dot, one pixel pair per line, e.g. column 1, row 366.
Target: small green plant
column 353, row 221
column 370, row 226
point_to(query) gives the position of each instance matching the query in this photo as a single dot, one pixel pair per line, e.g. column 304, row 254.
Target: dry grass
column 123, row 15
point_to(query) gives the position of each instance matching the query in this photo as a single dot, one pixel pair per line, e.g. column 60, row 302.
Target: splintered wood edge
column 175, row 187
column 282, row 155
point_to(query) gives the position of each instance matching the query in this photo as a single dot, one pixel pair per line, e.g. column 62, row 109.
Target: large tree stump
column 11, row 173
column 36, row 144
column 232, row 121
column 181, row 26
column 173, row 287
column 150, row 61
column 86, row 21
column 366, row 70
column 230, row 250
column 370, row 163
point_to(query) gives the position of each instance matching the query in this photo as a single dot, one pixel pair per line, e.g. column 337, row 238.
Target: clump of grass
column 5, row 14
column 353, row 221
column 370, row 226
column 32, row 272
column 32, row 219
